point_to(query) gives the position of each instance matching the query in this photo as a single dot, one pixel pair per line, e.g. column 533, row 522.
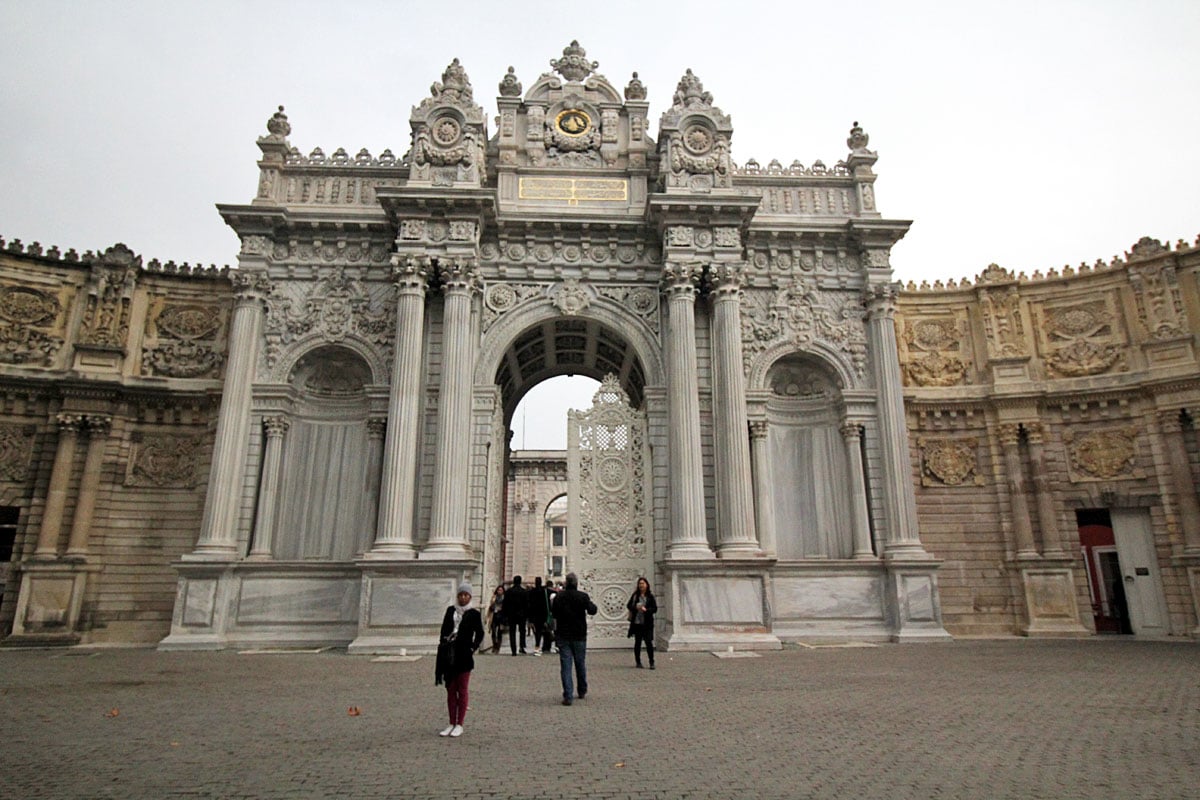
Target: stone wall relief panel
column 1103, row 454
column 949, row 461
column 781, row 264
column 570, row 297
column 1003, row 320
column 33, row 323
column 16, row 452
column 335, row 308
column 349, row 252
column 800, row 316
column 109, row 298
column 934, row 350
column 184, row 339
column 1159, row 300
column 1081, row 338
column 162, row 460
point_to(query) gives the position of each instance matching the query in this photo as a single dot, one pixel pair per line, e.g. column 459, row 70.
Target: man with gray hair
column 570, row 609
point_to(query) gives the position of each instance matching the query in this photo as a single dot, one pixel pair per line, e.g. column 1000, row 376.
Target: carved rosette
column 28, row 321
column 949, row 462
column 164, row 461
column 16, row 452
column 1109, row 454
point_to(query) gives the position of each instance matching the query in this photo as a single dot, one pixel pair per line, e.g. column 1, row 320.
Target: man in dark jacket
column 516, row 611
column 570, row 609
column 538, row 604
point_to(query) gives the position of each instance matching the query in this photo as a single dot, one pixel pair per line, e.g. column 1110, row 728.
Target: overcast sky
column 1030, row 134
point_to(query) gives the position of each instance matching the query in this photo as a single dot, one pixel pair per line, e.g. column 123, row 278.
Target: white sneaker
column 537, row 652
column 456, row 731
column 449, row 729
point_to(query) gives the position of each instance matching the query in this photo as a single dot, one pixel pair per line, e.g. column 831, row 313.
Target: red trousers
column 456, row 697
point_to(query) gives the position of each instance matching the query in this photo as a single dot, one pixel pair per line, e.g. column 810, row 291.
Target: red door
column 1104, row 579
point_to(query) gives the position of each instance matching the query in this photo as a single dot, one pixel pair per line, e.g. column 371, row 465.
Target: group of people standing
column 558, row 615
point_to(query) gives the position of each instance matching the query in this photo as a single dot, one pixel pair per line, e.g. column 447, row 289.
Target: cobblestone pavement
column 1101, row 718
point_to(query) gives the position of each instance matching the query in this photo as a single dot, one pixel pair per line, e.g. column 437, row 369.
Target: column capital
column 1009, row 434
column 276, row 426
column 411, row 273
column 851, row 430
column 70, row 424
column 1169, row 420
column 1035, row 432
column 376, row 427
column 758, row 429
column 460, row 275
column 681, row 277
column 99, row 425
column 725, row 278
column 249, row 286
column 880, row 300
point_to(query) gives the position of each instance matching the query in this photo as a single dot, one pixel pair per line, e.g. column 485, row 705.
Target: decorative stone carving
column 574, row 65
column 509, row 85
column 187, row 346
column 1080, row 339
column 802, row 314
column 635, row 90
column 569, row 297
column 109, row 297
column 933, row 349
column 949, row 462
column 23, row 311
column 694, row 140
column 1103, row 454
column 278, row 126
column 1003, row 322
column 162, row 461
column 449, row 134
column 16, row 452
column 1159, row 300
column 333, row 308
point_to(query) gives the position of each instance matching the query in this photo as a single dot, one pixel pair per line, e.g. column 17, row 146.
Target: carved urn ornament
column 574, row 65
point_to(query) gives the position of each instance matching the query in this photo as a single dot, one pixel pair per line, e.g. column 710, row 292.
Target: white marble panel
column 199, row 602
column 828, row 597
column 918, row 598
column 283, row 600
column 715, row 600
column 49, row 600
column 409, row 601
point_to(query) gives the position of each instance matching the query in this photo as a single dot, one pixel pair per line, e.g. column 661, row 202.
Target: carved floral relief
column 16, row 452
column 1106, row 454
column 800, row 314
column 933, row 353
column 949, row 462
column 183, row 340
column 1081, row 338
column 163, row 461
column 30, row 328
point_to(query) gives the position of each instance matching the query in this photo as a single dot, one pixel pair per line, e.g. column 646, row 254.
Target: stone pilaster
column 376, row 431
column 1043, row 492
column 688, row 536
column 860, row 521
column 218, row 530
column 268, row 493
column 448, row 526
column 89, row 485
column 1187, row 507
column 736, row 536
column 394, row 537
column 1010, row 445
column 899, row 497
column 764, row 508
column 60, row 478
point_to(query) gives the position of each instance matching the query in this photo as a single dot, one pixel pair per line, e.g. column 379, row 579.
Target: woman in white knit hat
column 462, row 633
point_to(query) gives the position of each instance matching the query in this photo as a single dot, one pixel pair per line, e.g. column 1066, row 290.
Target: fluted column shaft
column 89, row 485
column 1187, row 508
column 1043, row 493
column 688, row 536
column 268, row 494
column 394, row 535
column 764, row 508
column 1010, row 443
column 448, row 526
column 860, row 521
column 60, row 477
column 218, row 530
column 736, row 534
column 898, row 493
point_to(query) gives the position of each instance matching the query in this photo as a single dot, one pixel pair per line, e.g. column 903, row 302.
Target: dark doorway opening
column 1110, row 612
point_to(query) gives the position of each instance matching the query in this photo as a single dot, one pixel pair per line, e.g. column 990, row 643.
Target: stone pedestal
column 402, row 603
column 49, row 603
column 913, row 603
column 719, row 606
column 1050, row 600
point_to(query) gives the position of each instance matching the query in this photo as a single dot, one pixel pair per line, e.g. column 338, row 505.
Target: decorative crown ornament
column 690, row 92
column 278, row 125
column 636, row 90
column 574, row 65
column 509, row 85
column 858, row 140
column 455, row 85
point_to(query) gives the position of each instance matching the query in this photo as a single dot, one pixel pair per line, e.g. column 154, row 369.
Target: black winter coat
column 456, row 656
column 647, row 615
column 569, row 608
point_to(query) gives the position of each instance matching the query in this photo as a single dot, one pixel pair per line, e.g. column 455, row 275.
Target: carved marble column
column 899, row 497
column 218, row 530
column 89, row 485
column 736, row 536
column 376, row 430
column 1043, row 493
column 60, row 478
column 860, row 521
column 268, row 493
column 448, row 525
column 688, row 536
column 1187, row 507
column 764, row 507
column 1010, row 444
column 394, row 537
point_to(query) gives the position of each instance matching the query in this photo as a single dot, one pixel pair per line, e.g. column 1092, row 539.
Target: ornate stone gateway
column 608, row 514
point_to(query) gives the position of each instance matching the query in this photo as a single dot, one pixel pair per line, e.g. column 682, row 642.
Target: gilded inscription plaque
column 573, row 190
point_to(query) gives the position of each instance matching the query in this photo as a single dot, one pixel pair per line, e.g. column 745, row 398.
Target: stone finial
column 509, row 85
column 690, row 92
column 858, row 140
column 636, row 90
column 278, row 125
column 1146, row 247
column 574, row 65
column 455, row 84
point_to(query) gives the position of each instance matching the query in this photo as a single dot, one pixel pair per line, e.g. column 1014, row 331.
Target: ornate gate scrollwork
column 610, row 541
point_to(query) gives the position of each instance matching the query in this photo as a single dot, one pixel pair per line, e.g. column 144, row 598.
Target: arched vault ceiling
column 567, row 346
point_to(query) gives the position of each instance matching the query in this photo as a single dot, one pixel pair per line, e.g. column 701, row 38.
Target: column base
column 1050, row 605
column 906, row 551
column 447, row 551
column 49, row 603
column 402, row 603
column 212, row 554
column 913, row 601
column 739, row 550
column 689, row 551
column 397, row 552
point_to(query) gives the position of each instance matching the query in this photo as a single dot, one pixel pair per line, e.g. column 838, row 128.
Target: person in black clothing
column 538, row 608
column 461, row 635
column 642, row 608
column 516, row 606
column 570, row 608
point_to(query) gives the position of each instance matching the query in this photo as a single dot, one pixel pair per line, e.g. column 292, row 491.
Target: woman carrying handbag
column 642, row 607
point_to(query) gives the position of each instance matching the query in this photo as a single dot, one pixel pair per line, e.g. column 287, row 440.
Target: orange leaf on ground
column 353, row 711
column 112, row 712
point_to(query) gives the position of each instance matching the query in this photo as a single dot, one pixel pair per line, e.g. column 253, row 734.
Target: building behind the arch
column 312, row 448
